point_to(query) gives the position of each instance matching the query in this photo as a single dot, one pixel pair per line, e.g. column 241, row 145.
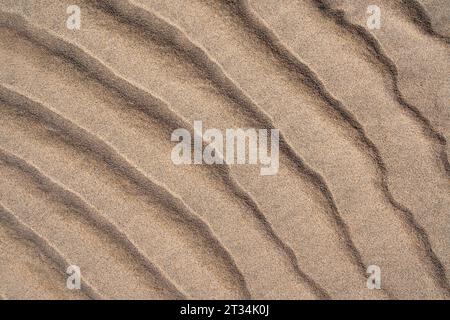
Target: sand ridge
column 363, row 175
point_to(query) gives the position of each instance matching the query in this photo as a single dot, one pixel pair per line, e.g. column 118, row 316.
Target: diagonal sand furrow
column 433, row 16
column 417, row 63
column 78, row 138
column 19, row 240
column 26, row 273
column 135, row 14
column 109, row 267
column 126, row 141
column 336, row 259
column 298, row 40
column 158, row 80
column 419, row 81
column 86, row 117
column 250, row 73
column 161, row 233
column 89, row 141
column 424, row 82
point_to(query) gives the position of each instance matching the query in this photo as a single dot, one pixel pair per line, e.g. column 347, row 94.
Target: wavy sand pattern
column 87, row 179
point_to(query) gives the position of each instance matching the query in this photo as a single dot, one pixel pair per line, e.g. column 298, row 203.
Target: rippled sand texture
column 87, row 179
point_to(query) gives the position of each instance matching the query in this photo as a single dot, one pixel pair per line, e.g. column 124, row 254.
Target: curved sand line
column 248, row 200
column 96, row 145
column 71, row 199
column 374, row 44
column 425, row 19
column 23, row 262
column 133, row 114
column 48, row 249
column 406, row 214
column 81, row 55
column 143, row 18
column 422, row 227
column 175, row 17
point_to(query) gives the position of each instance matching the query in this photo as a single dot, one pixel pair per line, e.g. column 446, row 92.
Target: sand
column 87, row 179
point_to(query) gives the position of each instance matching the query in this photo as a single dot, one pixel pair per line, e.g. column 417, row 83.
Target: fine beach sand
column 86, row 176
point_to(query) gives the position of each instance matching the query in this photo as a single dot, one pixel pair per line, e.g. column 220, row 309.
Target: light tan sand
column 87, row 179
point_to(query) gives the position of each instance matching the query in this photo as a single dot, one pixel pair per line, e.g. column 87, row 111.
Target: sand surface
column 86, row 176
